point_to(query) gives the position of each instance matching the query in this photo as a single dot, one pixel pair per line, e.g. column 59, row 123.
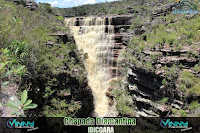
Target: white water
column 92, row 38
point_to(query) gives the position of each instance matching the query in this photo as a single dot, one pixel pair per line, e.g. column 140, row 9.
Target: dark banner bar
column 100, row 125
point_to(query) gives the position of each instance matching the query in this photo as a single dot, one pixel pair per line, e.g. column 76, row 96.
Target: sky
column 70, row 3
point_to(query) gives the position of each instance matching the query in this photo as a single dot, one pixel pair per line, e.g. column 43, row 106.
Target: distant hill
column 115, row 7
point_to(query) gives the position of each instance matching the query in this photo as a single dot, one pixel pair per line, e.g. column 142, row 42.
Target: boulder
column 141, row 114
column 175, row 106
column 162, row 108
column 170, row 60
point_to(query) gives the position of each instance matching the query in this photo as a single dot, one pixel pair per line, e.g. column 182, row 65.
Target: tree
column 46, row 7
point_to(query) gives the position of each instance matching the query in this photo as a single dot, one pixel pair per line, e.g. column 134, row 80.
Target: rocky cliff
column 156, row 78
column 153, row 72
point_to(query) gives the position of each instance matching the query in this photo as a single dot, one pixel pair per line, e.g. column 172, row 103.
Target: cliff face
column 153, row 69
column 157, row 74
column 28, row 4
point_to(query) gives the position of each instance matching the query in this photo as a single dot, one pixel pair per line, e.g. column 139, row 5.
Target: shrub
column 190, row 83
column 19, row 106
column 46, row 7
column 171, row 40
column 164, row 100
column 11, row 61
column 61, row 108
column 60, row 18
column 179, row 47
column 136, row 24
column 194, row 105
column 196, row 88
column 190, row 41
column 175, row 111
column 164, row 81
column 192, row 54
column 121, row 11
column 182, row 87
column 188, row 34
column 172, row 73
column 133, row 60
column 149, row 67
column 196, row 67
column 183, row 113
column 187, row 79
column 124, row 100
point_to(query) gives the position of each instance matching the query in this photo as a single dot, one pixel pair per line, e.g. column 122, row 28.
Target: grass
column 194, row 105
column 189, row 83
column 164, row 100
column 175, row 111
column 197, row 68
column 187, row 30
column 183, row 113
column 195, row 89
column 124, row 99
column 188, row 79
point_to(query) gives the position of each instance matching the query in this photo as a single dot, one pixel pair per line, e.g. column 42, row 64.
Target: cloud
column 71, row 3
column 67, row 0
column 111, row 0
column 89, row 2
column 53, row 3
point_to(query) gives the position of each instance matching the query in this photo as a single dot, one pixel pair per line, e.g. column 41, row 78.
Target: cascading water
column 95, row 37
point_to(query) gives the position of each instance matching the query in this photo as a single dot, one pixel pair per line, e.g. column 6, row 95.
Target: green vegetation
column 19, row 106
column 170, row 35
column 183, row 113
column 124, row 99
column 197, row 68
column 61, row 108
column 194, row 105
column 29, row 62
column 196, row 88
column 115, row 7
column 189, row 83
column 194, row 108
column 180, row 112
column 164, row 100
column 46, row 7
column 157, row 51
column 11, row 61
column 174, row 111
column 187, row 79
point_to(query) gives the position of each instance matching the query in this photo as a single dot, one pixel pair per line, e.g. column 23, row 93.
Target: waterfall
column 95, row 37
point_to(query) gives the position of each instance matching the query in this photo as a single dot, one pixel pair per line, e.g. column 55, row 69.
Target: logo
column 13, row 123
column 184, row 7
column 167, row 123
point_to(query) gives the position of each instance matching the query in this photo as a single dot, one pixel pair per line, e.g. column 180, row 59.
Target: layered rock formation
column 28, row 4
